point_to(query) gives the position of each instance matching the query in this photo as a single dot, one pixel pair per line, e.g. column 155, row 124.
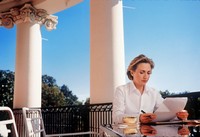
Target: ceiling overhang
column 51, row 6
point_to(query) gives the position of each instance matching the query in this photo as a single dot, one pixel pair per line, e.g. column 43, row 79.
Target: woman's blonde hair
column 137, row 60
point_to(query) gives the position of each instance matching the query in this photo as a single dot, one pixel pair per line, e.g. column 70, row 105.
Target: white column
column 106, row 49
column 28, row 70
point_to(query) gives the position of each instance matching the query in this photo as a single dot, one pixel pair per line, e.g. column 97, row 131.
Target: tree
column 52, row 97
column 6, row 88
column 69, row 97
column 87, row 102
column 48, row 80
column 164, row 93
column 51, row 93
column 167, row 93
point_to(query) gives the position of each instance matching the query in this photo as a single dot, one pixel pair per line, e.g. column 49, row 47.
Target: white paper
column 168, row 109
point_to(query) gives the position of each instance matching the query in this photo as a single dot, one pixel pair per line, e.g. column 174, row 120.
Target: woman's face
column 142, row 74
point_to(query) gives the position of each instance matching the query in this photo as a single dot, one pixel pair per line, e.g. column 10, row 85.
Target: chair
column 34, row 124
column 4, row 131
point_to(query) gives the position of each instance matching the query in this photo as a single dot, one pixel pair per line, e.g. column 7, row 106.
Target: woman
column 135, row 98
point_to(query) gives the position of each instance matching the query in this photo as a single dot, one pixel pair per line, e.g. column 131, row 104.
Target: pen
column 143, row 111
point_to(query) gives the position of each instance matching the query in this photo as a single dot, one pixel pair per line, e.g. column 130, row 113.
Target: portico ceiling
column 51, row 6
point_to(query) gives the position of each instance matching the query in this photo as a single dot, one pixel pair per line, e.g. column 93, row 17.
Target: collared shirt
column 128, row 101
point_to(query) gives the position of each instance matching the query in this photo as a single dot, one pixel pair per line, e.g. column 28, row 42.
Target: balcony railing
column 89, row 117
column 71, row 118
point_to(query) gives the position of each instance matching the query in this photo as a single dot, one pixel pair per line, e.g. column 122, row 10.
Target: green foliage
column 52, row 95
column 87, row 102
column 48, row 80
column 6, row 88
column 69, row 97
column 166, row 93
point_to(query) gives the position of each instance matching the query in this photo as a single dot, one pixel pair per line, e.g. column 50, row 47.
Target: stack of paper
column 168, row 109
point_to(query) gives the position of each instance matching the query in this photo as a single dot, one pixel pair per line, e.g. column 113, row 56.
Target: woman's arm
column 119, row 104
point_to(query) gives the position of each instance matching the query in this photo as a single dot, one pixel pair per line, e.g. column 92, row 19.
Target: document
column 168, row 109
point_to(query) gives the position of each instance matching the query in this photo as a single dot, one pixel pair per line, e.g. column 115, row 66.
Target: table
column 189, row 128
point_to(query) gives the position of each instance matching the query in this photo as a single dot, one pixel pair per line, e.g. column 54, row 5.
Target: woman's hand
column 147, row 117
column 147, row 130
column 182, row 115
column 183, row 130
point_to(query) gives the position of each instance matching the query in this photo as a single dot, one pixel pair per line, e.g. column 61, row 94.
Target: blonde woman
column 136, row 98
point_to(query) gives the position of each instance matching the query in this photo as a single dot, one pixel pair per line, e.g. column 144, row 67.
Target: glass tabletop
column 189, row 128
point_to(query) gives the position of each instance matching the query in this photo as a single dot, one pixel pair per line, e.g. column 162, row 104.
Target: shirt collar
column 133, row 88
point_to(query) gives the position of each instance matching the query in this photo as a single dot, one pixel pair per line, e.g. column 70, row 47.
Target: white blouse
column 128, row 101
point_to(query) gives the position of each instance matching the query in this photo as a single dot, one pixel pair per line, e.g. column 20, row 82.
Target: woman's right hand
column 147, row 117
column 147, row 130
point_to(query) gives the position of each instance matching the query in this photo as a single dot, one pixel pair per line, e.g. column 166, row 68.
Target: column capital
column 28, row 13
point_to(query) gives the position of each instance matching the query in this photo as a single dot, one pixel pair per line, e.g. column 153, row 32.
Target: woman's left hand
column 182, row 115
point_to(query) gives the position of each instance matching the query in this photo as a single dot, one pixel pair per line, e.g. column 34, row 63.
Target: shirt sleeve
column 119, row 106
column 159, row 101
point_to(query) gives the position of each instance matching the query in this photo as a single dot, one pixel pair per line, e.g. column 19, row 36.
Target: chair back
column 34, row 125
column 33, row 121
column 4, row 131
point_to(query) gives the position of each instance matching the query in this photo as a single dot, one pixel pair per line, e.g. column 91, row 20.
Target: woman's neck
column 139, row 87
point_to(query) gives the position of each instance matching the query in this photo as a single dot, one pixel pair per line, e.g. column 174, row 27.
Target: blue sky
column 168, row 31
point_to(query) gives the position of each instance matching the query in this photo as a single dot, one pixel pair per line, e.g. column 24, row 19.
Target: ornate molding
column 28, row 13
